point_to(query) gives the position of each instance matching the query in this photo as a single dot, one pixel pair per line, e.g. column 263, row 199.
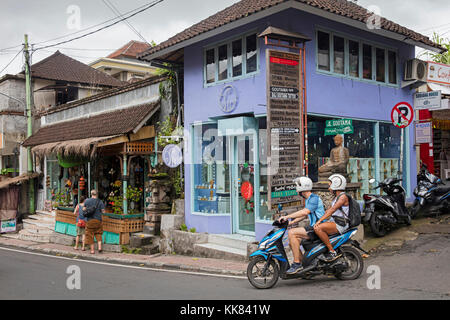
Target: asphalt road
column 420, row 271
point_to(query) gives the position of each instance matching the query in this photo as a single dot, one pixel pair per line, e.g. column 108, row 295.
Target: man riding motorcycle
column 338, row 212
column 314, row 210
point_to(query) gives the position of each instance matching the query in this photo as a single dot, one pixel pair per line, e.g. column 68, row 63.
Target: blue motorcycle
column 270, row 261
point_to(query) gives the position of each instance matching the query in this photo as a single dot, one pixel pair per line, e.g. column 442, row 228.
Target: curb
column 155, row 265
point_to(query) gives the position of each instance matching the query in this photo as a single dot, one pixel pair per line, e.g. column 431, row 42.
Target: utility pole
column 29, row 121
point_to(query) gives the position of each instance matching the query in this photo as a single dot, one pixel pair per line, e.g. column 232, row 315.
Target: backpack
column 90, row 211
column 354, row 212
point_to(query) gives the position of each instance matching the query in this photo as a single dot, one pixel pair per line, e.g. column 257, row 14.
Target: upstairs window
column 231, row 60
column 348, row 57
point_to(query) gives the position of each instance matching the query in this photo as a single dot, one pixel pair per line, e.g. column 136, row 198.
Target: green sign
column 339, row 126
column 286, row 193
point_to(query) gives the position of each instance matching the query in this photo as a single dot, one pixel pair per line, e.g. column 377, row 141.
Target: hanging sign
column 284, row 126
column 402, row 115
column 438, row 73
column 172, row 156
column 427, row 100
column 339, row 126
column 423, row 132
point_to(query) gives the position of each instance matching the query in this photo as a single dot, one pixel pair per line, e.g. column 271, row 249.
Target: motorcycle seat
column 441, row 190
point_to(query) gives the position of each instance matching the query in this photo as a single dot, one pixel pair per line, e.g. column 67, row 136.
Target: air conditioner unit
column 416, row 70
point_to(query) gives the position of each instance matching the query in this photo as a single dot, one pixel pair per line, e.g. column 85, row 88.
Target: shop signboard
column 338, row 126
column 423, row 132
column 284, row 114
column 1, row 141
column 438, row 73
column 8, row 226
column 427, row 100
column 172, row 156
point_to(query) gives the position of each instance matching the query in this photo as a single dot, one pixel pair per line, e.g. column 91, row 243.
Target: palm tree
column 439, row 57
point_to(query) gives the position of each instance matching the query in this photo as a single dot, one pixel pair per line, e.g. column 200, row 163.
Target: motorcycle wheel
column 377, row 227
column 415, row 209
column 255, row 276
column 355, row 264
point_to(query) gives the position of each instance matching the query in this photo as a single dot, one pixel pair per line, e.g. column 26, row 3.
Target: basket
column 65, row 216
column 122, row 225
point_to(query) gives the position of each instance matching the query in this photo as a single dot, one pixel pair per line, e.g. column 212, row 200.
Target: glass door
column 244, row 184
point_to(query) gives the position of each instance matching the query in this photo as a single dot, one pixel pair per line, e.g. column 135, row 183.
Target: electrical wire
column 11, row 61
column 111, row 6
column 154, row 3
column 94, row 26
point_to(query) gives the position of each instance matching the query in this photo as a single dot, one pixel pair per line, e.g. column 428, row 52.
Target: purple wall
column 326, row 94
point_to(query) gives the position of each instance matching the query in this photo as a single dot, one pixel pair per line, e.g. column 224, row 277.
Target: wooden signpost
column 284, row 127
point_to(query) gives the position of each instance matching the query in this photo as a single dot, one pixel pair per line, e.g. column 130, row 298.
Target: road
column 419, row 271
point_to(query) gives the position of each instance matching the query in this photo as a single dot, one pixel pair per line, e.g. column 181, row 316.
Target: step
column 38, row 230
column 140, row 239
column 33, row 222
column 28, row 236
column 216, row 251
column 46, row 213
column 231, row 240
column 43, row 218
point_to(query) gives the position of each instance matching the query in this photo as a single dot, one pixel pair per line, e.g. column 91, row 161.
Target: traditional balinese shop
column 244, row 85
column 113, row 152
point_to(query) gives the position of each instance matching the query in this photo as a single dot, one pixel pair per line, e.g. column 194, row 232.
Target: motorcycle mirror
column 372, row 181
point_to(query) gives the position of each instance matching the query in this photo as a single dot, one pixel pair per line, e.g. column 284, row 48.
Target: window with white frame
column 230, row 60
column 357, row 59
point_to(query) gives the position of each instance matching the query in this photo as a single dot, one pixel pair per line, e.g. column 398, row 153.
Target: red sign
column 402, row 115
column 287, row 62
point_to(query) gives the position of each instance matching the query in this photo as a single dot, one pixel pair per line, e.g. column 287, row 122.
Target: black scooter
column 383, row 212
column 431, row 198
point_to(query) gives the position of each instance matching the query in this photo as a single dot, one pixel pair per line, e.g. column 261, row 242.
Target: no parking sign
column 402, row 115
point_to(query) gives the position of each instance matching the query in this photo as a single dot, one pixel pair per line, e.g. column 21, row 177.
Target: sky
column 44, row 20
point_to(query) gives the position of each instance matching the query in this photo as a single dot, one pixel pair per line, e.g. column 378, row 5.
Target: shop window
column 210, row 66
column 223, row 62
column 380, row 64
column 339, row 55
column 392, row 65
column 367, row 62
column 390, row 137
column 230, row 60
column 251, row 54
column 353, row 50
column 210, row 171
column 237, row 58
column 323, row 48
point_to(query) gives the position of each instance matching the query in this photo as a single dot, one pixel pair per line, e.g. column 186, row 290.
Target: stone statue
column 338, row 161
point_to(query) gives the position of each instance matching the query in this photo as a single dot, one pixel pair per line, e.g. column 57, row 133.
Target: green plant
column 192, row 230
column 183, row 227
column 62, row 198
column 439, row 57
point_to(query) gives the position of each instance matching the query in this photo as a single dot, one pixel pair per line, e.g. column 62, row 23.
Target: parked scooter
column 430, row 197
column 270, row 262
column 383, row 212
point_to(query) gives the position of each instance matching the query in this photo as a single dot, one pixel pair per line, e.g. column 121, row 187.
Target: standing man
column 314, row 210
column 94, row 225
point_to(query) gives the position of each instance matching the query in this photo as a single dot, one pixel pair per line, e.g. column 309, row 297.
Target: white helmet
column 338, row 182
column 303, row 184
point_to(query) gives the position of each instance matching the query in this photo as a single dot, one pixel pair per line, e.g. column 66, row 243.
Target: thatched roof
column 83, row 147
column 18, row 180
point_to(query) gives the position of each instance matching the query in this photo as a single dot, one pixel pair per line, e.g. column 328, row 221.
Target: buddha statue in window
column 339, row 157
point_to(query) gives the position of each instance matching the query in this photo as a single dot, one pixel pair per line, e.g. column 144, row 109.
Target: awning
column 18, row 180
column 82, row 147
column 81, row 136
column 445, row 90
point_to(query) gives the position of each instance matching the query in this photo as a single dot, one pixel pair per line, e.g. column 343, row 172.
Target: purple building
column 353, row 71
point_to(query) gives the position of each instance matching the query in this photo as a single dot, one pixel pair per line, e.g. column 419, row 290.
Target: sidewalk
column 158, row 261
column 392, row 241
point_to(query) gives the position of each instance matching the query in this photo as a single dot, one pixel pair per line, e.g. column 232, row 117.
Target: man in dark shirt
column 94, row 225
